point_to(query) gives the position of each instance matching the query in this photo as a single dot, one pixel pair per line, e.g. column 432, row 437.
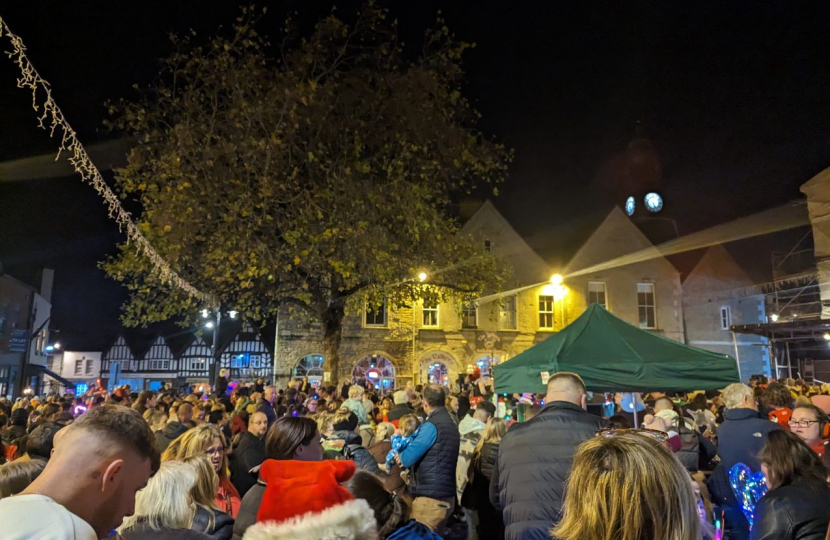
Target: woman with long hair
column 476, row 496
column 165, row 508
column 207, row 440
column 209, row 519
column 290, row 438
column 797, row 505
column 628, row 486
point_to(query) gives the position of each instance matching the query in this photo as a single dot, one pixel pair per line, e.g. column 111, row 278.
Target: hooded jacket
column 471, row 430
column 354, row 450
column 169, row 433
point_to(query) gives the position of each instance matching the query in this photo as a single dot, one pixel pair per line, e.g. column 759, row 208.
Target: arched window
column 376, row 370
column 310, row 366
column 437, row 373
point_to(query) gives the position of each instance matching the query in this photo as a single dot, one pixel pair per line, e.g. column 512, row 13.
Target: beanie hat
column 400, row 397
column 347, row 424
column 304, row 499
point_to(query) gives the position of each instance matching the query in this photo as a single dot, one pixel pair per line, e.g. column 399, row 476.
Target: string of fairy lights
column 52, row 119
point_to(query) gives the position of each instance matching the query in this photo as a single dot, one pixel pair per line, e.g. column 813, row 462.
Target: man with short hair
column 741, row 437
column 89, row 485
column 40, row 442
column 266, row 404
column 432, row 457
column 535, row 458
column 175, row 428
column 249, row 453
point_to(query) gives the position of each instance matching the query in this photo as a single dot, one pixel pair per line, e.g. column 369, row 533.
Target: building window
column 546, row 312
column 469, row 315
column 597, row 294
column 430, row 317
column 507, row 313
column 645, row 305
column 40, row 343
column 375, row 315
column 488, row 246
column 89, row 367
column 79, row 367
column 725, row 318
column 196, row 364
column 159, row 364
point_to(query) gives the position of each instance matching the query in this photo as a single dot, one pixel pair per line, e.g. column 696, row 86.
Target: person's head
column 258, row 424
column 484, row 411
column 205, row 440
column 400, row 397
column 567, row 386
column 20, row 417
column 311, row 405
column 663, row 404
column 451, row 403
column 185, row 412
column 41, row 440
column 628, row 487
column 345, row 420
column 50, row 411
column 433, row 397
column 98, row 464
column 786, row 457
column 270, row 394
column 356, row 392
column 207, row 482
column 389, row 512
column 493, row 433
column 156, row 419
column 778, row 396
column 739, row 396
column 386, row 403
column 408, row 423
column 147, row 399
column 698, row 402
column 17, row 475
column 294, row 438
column 810, row 424
column 324, row 423
column 620, row 422
column 217, row 417
column 166, row 502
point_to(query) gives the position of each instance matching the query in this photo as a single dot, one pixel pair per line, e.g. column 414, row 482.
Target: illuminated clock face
column 630, row 204
column 654, row 202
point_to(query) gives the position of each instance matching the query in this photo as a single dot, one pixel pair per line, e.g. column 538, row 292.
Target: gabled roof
column 716, row 271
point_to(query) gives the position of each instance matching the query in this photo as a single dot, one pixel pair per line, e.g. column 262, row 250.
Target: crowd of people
column 256, row 462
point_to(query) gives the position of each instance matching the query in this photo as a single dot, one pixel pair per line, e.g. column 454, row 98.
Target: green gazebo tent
column 612, row 355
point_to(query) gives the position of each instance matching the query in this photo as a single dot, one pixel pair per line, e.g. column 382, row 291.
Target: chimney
column 46, row 281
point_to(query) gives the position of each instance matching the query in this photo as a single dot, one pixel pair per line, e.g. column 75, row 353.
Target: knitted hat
column 304, row 499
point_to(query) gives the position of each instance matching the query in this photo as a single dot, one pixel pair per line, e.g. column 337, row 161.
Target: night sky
column 735, row 98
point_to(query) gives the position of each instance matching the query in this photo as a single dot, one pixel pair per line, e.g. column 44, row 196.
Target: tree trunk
column 332, row 319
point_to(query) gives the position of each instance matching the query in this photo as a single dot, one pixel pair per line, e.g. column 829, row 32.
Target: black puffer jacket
column 535, row 459
column 798, row 511
column 170, row 432
column 222, row 528
column 354, row 450
column 248, row 453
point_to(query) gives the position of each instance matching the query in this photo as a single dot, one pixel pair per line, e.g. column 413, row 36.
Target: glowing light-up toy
column 748, row 488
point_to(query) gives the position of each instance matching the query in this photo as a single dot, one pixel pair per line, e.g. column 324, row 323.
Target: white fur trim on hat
column 352, row 520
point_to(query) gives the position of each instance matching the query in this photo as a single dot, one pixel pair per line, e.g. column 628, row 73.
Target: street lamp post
column 215, row 325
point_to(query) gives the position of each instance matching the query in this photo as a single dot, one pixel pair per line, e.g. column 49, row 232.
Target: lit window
column 507, row 313
column 645, row 305
column 725, row 318
column 79, row 367
column 469, row 315
column 375, row 315
column 488, row 246
column 596, row 293
column 546, row 312
column 430, row 319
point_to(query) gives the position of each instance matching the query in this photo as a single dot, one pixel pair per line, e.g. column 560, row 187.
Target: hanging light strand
column 52, row 119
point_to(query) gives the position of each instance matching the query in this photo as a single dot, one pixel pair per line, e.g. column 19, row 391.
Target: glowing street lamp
column 557, row 279
column 233, row 313
column 774, row 317
column 205, row 313
column 422, row 277
column 209, row 325
column 826, row 336
column 57, row 345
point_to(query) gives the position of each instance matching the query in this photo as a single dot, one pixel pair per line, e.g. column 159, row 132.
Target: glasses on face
column 801, row 423
column 659, row 436
column 214, row 451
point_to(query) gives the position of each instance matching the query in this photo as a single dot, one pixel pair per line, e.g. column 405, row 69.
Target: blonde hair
column 324, row 422
column 493, row 433
column 734, row 394
column 628, row 487
column 193, row 442
column 356, row 391
column 408, row 423
column 166, row 502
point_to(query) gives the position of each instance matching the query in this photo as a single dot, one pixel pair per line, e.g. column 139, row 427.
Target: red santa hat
column 304, row 499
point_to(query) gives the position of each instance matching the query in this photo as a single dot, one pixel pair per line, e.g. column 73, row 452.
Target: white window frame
column 725, row 317
column 159, row 365
column 652, row 306
column 196, row 363
column 548, row 313
column 89, row 366
column 430, row 310
column 366, row 313
column 604, row 293
column 504, row 313
column 79, row 367
column 466, row 309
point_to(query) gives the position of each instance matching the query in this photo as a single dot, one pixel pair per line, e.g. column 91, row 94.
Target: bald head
column 566, row 386
column 663, row 404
